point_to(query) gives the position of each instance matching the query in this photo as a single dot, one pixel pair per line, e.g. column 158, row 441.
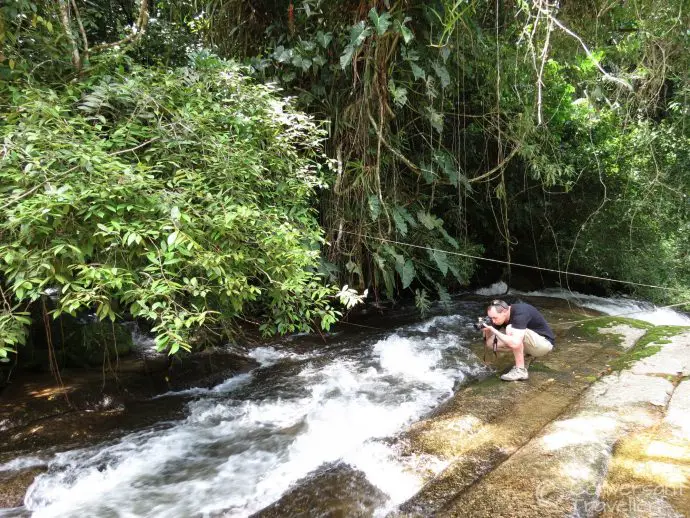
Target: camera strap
column 495, row 349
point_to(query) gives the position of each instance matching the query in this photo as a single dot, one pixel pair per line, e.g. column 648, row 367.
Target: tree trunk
column 67, row 26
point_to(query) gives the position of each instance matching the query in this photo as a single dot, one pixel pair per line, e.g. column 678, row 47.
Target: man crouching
column 526, row 333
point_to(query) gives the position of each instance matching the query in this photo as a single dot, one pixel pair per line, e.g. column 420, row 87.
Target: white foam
column 237, row 457
column 497, row 288
column 384, row 469
column 270, row 355
column 223, row 388
column 440, row 321
column 23, row 463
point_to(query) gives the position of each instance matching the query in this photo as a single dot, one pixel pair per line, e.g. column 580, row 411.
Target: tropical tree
column 182, row 197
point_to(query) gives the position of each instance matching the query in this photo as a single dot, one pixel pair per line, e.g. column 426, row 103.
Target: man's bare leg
column 518, row 351
column 519, row 354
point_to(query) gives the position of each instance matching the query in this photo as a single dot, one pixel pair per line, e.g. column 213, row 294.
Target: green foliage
column 422, row 302
column 358, row 74
column 526, row 132
column 13, row 325
column 30, row 40
column 178, row 196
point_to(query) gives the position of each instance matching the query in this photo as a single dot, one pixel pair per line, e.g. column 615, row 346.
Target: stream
column 247, row 441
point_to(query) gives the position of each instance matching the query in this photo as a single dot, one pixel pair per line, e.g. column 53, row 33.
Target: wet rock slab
column 545, row 447
column 625, row 388
column 14, row 486
column 649, row 473
column 678, row 413
column 334, row 491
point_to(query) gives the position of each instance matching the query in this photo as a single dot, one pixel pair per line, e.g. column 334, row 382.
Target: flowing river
column 248, row 440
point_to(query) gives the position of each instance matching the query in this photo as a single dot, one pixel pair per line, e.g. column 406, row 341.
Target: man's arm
column 513, row 338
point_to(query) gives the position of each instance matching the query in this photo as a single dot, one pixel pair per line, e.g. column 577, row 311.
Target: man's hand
column 488, row 330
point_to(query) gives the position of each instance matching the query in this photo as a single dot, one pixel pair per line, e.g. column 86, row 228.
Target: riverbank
column 600, row 429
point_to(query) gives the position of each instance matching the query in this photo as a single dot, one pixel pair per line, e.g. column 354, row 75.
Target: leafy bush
column 178, row 196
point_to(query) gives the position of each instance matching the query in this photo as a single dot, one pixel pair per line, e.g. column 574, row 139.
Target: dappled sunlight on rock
column 649, row 471
column 448, row 437
column 51, row 392
column 666, row 450
column 576, row 471
column 464, row 424
column 579, row 430
column 662, row 473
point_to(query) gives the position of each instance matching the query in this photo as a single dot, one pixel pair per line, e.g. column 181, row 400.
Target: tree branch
column 606, row 75
column 499, row 166
column 138, row 29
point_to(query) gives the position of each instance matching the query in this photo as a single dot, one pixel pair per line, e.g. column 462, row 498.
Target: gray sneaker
column 516, row 374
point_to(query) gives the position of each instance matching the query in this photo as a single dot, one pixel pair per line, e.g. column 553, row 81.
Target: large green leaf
column 346, row 56
column 358, row 33
column 400, row 223
column 399, row 93
column 442, row 74
column 441, row 260
column 417, row 71
column 381, row 23
column 403, row 29
column 407, row 273
column 374, row 206
column 447, row 164
column 389, row 281
column 453, row 242
column 324, row 38
column 429, row 220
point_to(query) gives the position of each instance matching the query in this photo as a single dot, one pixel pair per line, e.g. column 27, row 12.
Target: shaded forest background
column 198, row 164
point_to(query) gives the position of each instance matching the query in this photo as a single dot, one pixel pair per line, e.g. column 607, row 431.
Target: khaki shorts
column 535, row 344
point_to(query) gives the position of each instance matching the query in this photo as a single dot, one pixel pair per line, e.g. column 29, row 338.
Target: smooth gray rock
column 678, row 413
column 626, row 388
column 673, row 359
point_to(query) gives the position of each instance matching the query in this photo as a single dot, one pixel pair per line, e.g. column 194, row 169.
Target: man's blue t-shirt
column 526, row 316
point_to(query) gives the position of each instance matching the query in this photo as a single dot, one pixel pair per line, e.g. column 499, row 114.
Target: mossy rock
column 648, row 345
column 662, row 334
column 590, row 329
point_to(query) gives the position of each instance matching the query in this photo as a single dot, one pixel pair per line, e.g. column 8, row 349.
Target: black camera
column 481, row 322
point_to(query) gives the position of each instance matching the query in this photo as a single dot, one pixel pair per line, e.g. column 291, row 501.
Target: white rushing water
column 247, row 440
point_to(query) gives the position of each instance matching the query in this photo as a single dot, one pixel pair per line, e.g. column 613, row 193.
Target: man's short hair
column 499, row 305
